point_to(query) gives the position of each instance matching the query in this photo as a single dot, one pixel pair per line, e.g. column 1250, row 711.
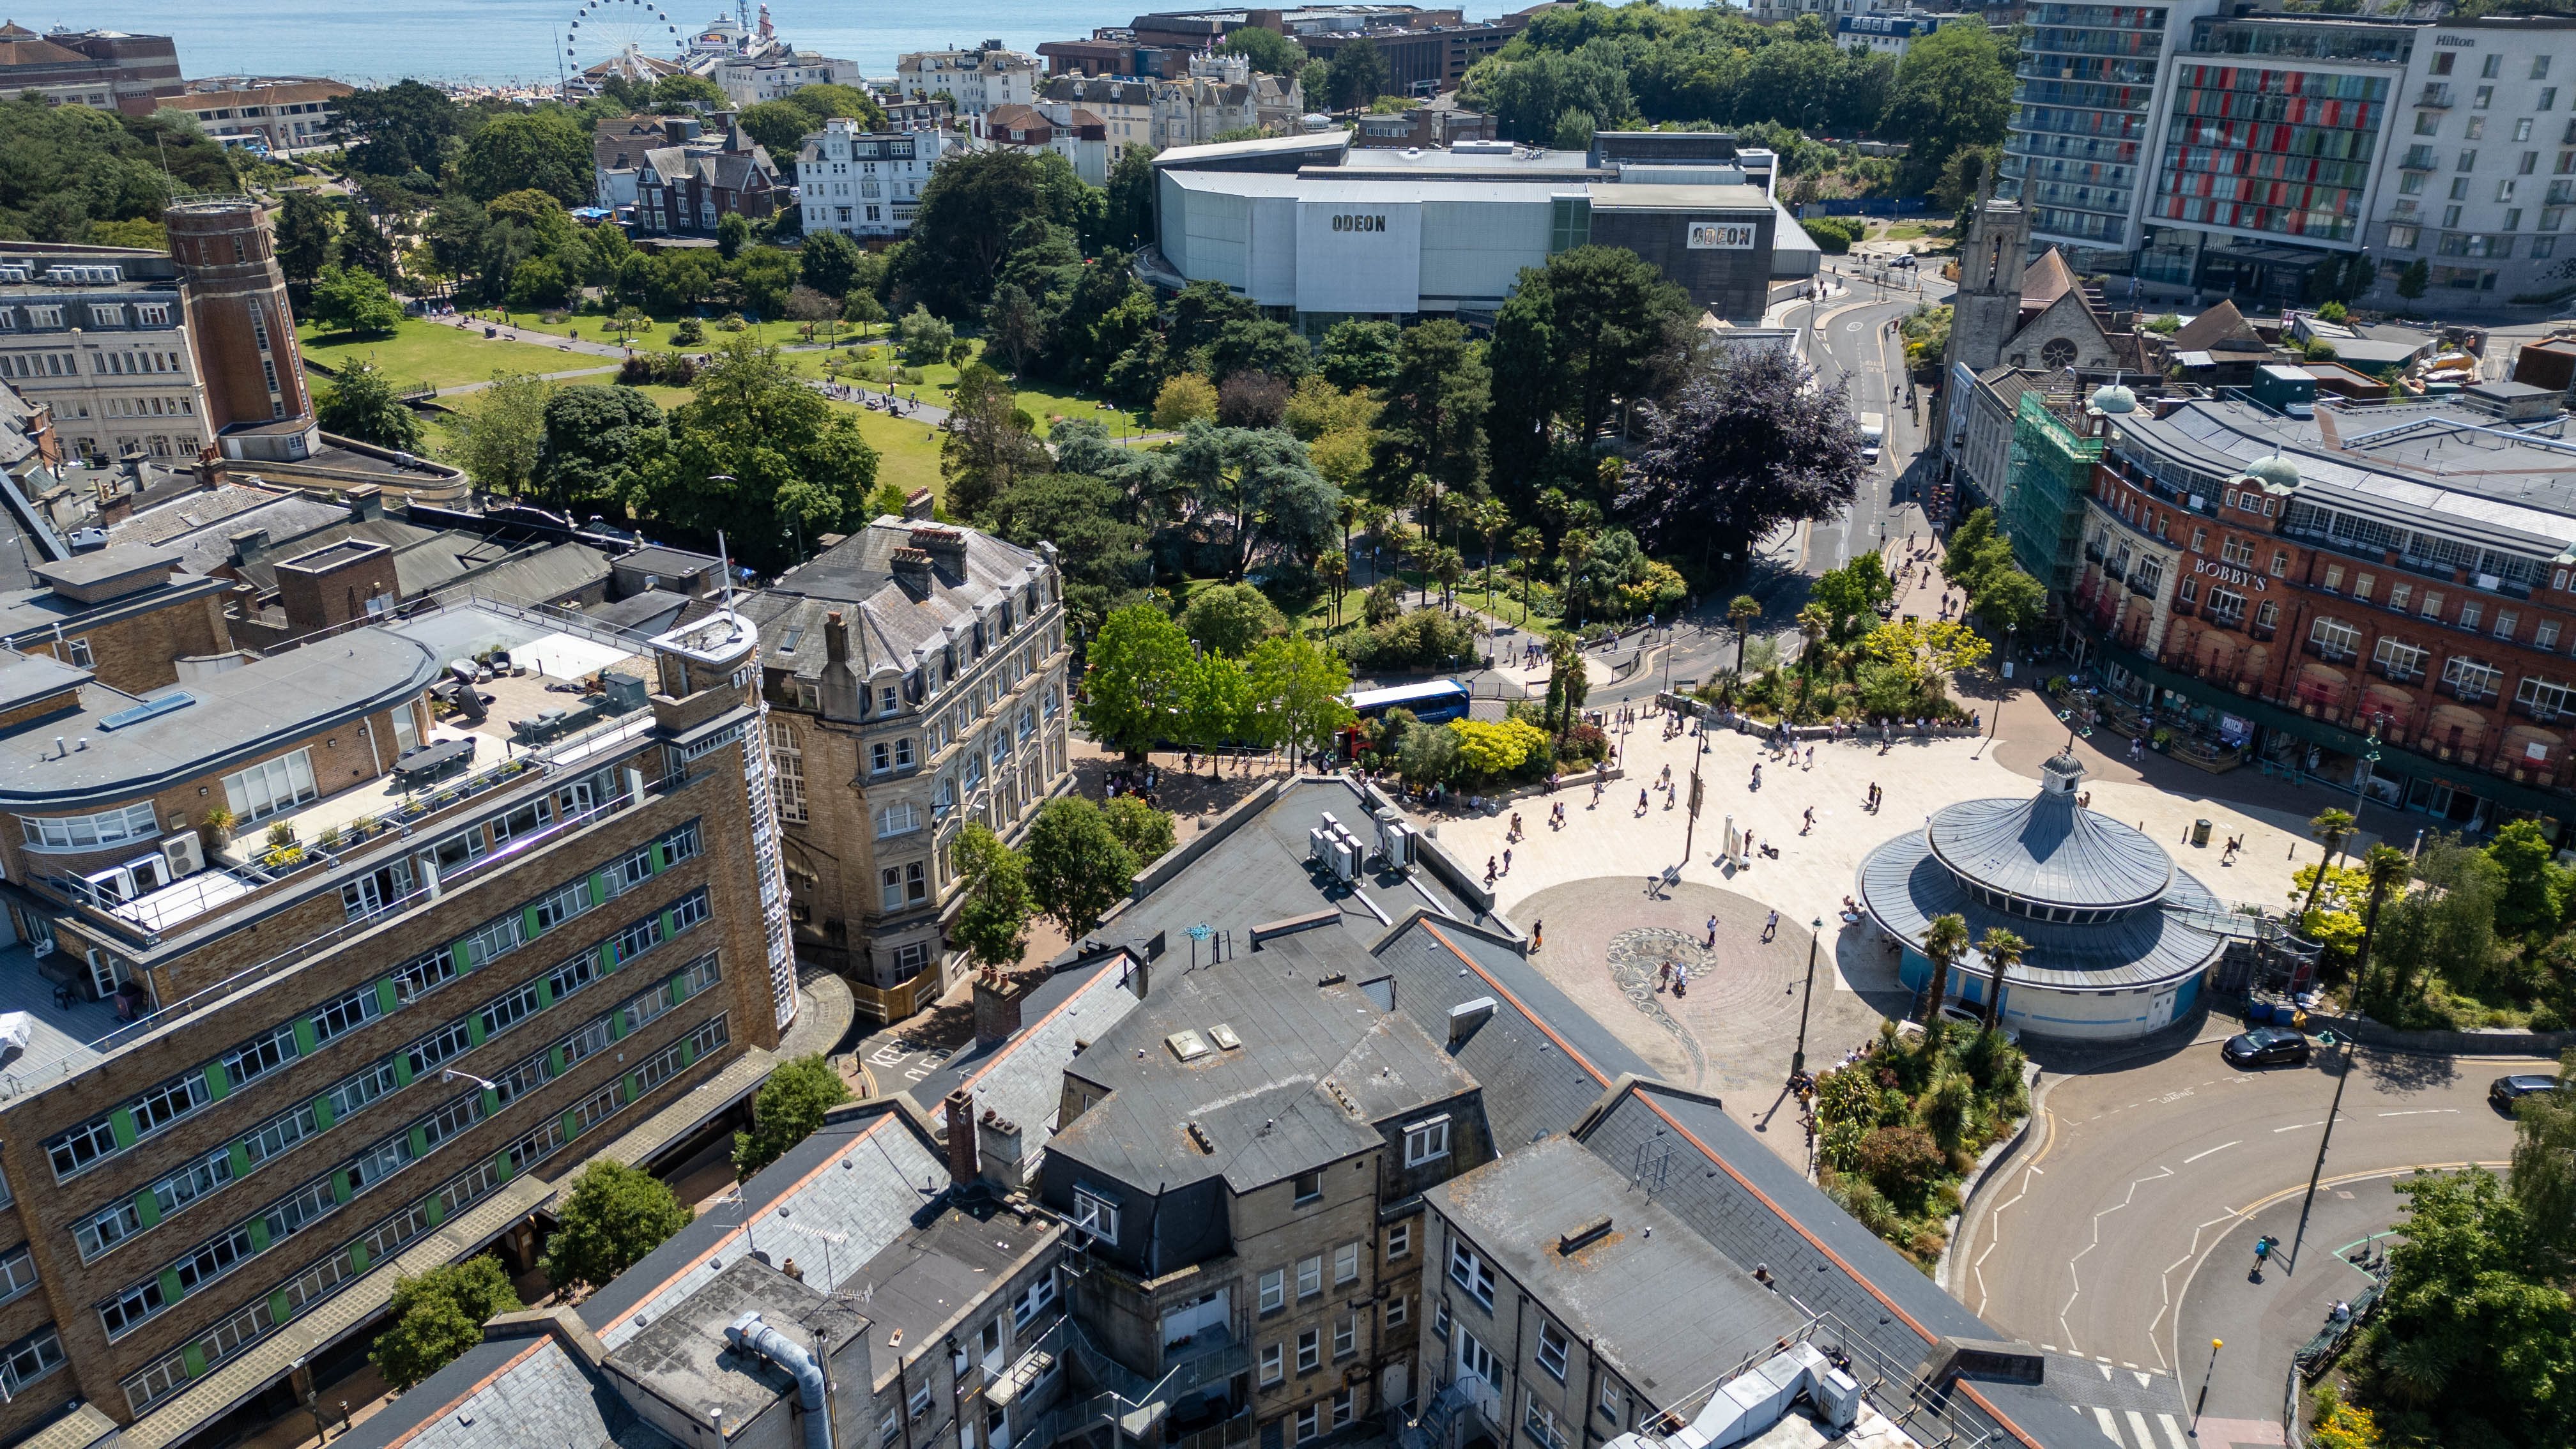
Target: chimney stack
column 961, row 1139
column 946, row 547
column 838, row 684
column 917, row 505
column 998, row 1139
column 912, row 570
column 997, row 1007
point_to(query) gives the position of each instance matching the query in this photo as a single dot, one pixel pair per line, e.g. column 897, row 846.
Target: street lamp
column 1816, row 933
column 489, row 1086
column 2369, row 770
column 2215, row 1345
column 2343, row 1074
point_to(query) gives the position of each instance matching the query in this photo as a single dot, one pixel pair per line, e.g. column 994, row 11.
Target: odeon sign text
column 1359, row 223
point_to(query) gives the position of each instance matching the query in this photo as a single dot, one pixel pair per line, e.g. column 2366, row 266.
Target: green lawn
column 907, row 449
column 1043, row 403
column 440, row 356
column 594, row 328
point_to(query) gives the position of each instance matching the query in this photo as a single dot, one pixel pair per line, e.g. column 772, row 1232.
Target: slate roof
column 1903, row 887
column 892, row 1173
column 2220, row 329
column 1276, row 1105
column 856, row 576
column 508, row 1393
column 1022, row 1076
column 1650, row 1264
column 1753, row 1208
column 2046, row 280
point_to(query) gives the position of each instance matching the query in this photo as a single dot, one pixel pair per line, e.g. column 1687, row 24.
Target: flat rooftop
column 683, row 1356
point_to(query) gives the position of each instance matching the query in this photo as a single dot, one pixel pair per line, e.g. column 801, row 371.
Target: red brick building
column 2308, row 590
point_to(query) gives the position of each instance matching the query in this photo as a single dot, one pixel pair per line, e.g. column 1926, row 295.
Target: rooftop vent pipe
column 751, row 1335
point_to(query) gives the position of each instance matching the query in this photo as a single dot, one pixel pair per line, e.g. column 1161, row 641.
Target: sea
column 519, row 42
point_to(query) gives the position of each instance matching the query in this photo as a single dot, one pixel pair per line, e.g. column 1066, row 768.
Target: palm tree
column 1813, row 621
column 1528, row 545
column 1565, row 665
column 1575, row 549
column 1742, row 611
column 2003, row 951
column 1945, row 940
column 2333, row 828
column 1350, row 509
column 1490, row 520
column 1334, row 568
column 2386, row 867
column 1448, row 567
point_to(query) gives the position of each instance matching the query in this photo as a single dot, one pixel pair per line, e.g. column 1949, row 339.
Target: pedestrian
column 1681, row 980
column 1641, row 799
column 1515, row 832
column 1771, row 926
column 1489, row 872
column 2262, row 1253
column 1811, row 757
column 1809, row 824
column 1663, row 975
column 1538, row 934
column 1507, row 860
column 1711, row 943
column 344, row 1416
column 1757, row 774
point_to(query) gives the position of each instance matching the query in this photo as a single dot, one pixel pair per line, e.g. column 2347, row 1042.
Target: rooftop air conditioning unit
column 185, row 855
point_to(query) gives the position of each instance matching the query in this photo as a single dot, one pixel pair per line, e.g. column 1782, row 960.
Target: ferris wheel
column 618, row 37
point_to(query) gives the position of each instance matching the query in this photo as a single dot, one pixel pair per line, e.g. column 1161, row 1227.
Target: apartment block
column 338, row 958
column 975, row 80
column 272, row 115
column 915, row 676
column 863, row 184
column 103, row 69
column 103, row 337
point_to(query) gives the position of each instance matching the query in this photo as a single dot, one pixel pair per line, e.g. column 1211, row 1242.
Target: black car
column 2265, row 1046
column 2505, row 1091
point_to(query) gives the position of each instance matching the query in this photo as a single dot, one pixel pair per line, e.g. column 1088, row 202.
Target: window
column 1308, row 1187
column 2200, row 540
column 2471, row 679
column 1440, row 1317
column 491, row 941
column 259, row 1056
column 1310, row 1276
column 786, row 772
column 1475, row 1358
column 1035, row 1299
column 2361, row 586
column 900, row 818
column 1310, row 1421
column 17, row 1272
column 2334, row 639
column 271, row 786
column 2398, row 659
column 2237, row 551
column 561, row 904
column 1472, row 1273
column 900, row 885
column 106, row 1229
column 85, row 832
column 2542, row 699
column 1346, row 1335
column 2269, row 615
column 2280, row 563
column 1540, row 1421
column 29, row 1359
column 1273, row 1364
column 1346, row 1264
column 1274, row 1290
column 2400, row 595
column 1426, row 1141
column 1611, row 1399
column 2432, row 603
column 1095, row 1214
column 1399, row 1311
column 880, row 758
column 2471, row 611
column 1310, row 1349
column 2544, row 635
column 1399, row 1240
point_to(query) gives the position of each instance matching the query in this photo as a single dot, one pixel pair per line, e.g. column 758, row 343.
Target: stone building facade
column 103, row 337
column 916, row 682
column 256, row 402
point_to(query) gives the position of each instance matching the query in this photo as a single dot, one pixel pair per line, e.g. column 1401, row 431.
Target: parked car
column 1958, row 1014
column 2266, row 1046
column 2505, row 1091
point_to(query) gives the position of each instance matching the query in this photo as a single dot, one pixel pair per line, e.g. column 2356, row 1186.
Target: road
column 2142, row 1170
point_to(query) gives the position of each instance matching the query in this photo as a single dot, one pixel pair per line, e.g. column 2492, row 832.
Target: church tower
column 1987, row 309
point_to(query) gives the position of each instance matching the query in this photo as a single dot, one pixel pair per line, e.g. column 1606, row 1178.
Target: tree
column 1076, row 866
column 790, row 1106
column 1251, row 400
column 361, row 404
column 1319, row 407
column 396, row 130
column 1741, row 611
column 1356, row 74
column 1945, row 940
column 826, row 100
column 921, row 338
column 614, row 1215
column 1214, row 699
column 1132, row 689
column 2003, row 951
column 1568, row 682
column 1229, row 619
column 545, row 150
column 993, row 923
column 1434, row 421
column 1594, row 331
column 2448, row 928
column 681, row 92
column 1853, row 592
column 1270, row 52
column 778, row 126
column 2474, row 1343
column 1528, row 95
column 733, row 233
column 438, row 1315
column 1101, row 553
column 363, row 245
column 598, row 443
column 759, row 454
column 829, row 262
column 2535, row 885
column 990, row 442
column 1297, row 691
column 1953, row 89
column 1259, row 479
column 1745, row 448
column 354, row 302
column 2412, row 281
column 2331, row 828
column 303, row 242
column 499, row 437
column 1145, row 831
column 1186, row 399
column 2384, row 872
column 2544, row 1165
column 966, row 226
column 1360, row 354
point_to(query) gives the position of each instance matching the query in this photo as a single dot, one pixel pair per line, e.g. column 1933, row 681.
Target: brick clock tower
column 256, row 404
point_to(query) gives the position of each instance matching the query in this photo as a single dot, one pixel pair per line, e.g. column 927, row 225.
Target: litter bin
column 2200, row 832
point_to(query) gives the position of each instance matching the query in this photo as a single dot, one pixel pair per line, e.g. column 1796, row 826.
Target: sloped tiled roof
column 2046, row 280
column 856, row 576
column 2220, row 329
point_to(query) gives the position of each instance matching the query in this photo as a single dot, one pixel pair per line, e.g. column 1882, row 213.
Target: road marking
column 2221, row 1147
column 2110, row 1426
column 2173, row 1431
column 2138, row 1426
column 2160, row 1172
column 2124, row 1363
column 2421, row 1112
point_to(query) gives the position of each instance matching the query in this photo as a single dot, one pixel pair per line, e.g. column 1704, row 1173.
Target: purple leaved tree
column 1745, row 447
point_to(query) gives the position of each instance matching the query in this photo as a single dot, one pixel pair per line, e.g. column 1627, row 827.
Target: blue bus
column 1434, row 701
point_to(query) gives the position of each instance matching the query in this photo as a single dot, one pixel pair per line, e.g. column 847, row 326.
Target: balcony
column 2330, row 653
column 2233, row 622
column 2397, row 673
column 2420, row 158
